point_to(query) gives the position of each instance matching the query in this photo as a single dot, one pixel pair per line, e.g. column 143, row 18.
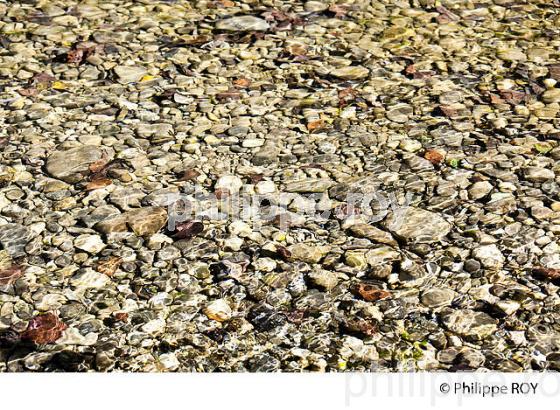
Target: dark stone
column 265, row 319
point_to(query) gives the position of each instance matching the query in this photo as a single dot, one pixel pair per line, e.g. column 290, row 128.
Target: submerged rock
column 14, row 237
column 471, row 324
column 72, row 165
column 415, row 225
column 243, row 23
column 350, row 73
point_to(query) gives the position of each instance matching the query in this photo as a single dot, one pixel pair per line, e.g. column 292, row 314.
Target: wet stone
column 130, row 74
column 13, row 238
column 372, row 233
column 243, row 23
column 350, row 72
column 537, row 174
column 417, row 225
column 490, row 256
column 264, row 318
column 72, row 165
column 89, row 243
column 308, row 253
column 437, row 297
column 471, row 324
column 146, row 221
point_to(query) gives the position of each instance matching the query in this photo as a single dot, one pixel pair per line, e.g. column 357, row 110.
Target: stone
column 437, row 297
column 480, row 189
column 99, row 214
column 489, row 256
column 147, row 220
column 381, row 255
column 308, row 253
column 72, row 336
column 264, row 318
column 551, row 96
column 470, row 324
column 112, row 223
column 411, row 145
column 400, row 112
column 416, row 225
column 265, row 187
column 218, row 310
column 90, row 243
column 230, row 183
column 470, row 358
column 509, row 307
column 537, row 174
column 309, row 186
column 129, row 74
column 512, row 54
column 315, row 6
column 169, row 362
column 88, row 278
column 350, row 72
column 14, row 237
column 154, row 327
column 362, row 230
column 243, row 23
column 472, row 265
column 240, row 228
column 252, row 142
column 355, row 259
column 324, row 279
column 72, row 165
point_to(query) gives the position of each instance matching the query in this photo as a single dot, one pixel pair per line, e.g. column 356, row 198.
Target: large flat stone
column 415, row 225
column 73, row 164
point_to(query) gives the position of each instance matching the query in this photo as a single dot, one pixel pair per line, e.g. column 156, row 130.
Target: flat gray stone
column 309, row 185
column 470, row 324
column 13, row 238
column 243, row 23
column 437, row 297
column 350, row 72
column 415, row 225
column 71, row 165
column 129, row 74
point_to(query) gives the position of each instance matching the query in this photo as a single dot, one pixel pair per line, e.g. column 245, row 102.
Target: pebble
column 218, row 310
column 324, row 279
column 480, row 189
column 89, row 278
column 551, row 96
column 399, row 112
column 13, row 238
column 372, row 233
column 243, row 23
column 90, row 243
column 71, row 165
column 169, row 362
column 416, row 225
column 473, row 325
column 309, row 186
column 265, row 187
column 350, row 72
column 308, row 253
column 537, row 174
column 231, row 183
column 489, row 256
column 356, row 259
column 147, row 220
column 437, row 297
column 130, row 74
